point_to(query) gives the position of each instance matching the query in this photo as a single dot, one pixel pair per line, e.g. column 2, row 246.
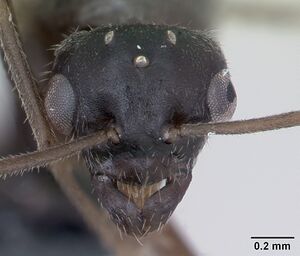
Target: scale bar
column 272, row 237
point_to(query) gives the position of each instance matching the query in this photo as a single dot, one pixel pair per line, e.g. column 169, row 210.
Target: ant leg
column 22, row 77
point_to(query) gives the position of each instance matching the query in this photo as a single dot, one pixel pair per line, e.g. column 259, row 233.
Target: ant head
column 139, row 79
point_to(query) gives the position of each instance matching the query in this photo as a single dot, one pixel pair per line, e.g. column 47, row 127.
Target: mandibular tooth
column 162, row 184
column 139, row 194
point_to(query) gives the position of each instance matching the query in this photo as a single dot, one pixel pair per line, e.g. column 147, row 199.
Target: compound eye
column 60, row 104
column 221, row 98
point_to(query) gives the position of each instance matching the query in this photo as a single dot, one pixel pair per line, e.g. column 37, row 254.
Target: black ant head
column 140, row 80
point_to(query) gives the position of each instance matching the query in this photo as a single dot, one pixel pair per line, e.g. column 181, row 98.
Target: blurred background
column 242, row 186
